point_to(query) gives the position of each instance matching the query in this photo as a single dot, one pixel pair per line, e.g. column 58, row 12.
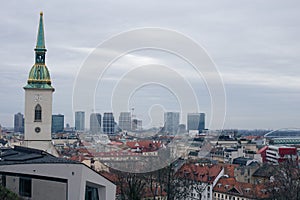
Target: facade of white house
column 35, row 175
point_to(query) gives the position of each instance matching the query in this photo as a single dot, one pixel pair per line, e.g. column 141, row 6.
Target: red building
column 278, row 154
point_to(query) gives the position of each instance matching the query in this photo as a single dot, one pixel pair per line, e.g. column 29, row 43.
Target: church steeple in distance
column 38, row 99
column 40, row 49
column 39, row 76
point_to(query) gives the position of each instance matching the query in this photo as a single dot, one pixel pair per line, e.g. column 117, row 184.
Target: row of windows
column 226, row 197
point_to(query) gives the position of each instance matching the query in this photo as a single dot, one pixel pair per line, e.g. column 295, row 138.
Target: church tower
column 38, row 99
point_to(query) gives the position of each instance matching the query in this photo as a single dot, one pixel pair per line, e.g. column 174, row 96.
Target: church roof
column 39, row 76
column 40, row 44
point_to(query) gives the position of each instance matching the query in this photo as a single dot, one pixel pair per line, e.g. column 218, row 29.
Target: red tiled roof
column 115, row 154
column 144, row 144
column 200, row 173
column 79, row 158
column 110, row 176
column 115, row 143
column 233, row 187
column 229, row 169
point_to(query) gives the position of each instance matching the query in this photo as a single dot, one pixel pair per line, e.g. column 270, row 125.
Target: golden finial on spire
column 41, row 13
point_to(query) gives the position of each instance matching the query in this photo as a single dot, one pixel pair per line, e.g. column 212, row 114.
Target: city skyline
column 255, row 52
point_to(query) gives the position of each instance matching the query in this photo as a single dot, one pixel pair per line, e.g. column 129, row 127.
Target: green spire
column 40, row 43
column 39, row 76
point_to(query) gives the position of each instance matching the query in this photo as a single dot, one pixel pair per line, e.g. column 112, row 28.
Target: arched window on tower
column 38, row 113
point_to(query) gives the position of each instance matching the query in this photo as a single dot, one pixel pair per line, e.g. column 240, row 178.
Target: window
column 25, row 187
column 91, row 193
column 38, row 113
column 3, row 180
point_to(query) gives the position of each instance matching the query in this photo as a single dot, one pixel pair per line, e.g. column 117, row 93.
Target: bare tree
column 131, row 186
column 284, row 184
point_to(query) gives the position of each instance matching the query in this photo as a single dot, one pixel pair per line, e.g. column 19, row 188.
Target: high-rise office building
column 182, row 128
column 171, row 122
column 58, row 122
column 125, row 121
column 19, row 123
column 79, row 120
column 108, row 123
column 95, row 123
column 137, row 125
column 196, row 121
column 202, row 122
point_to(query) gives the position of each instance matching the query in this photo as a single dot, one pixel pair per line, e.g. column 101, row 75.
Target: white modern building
column 34, row 174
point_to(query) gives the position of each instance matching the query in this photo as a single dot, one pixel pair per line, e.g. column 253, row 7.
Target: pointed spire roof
column 39, row 76
column 40, row 43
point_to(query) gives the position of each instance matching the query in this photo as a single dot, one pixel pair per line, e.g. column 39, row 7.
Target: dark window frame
column 38, row 113
column 3, row 180
column 25, row 187
column 91, row 193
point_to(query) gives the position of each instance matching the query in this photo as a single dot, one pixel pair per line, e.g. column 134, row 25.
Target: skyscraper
column 79, row 120
column 108, row 123
column 19, row 123
column 95, row 123
column 202, row 122
column 58, row 122
column 125, row 121
column 171, row 122
column 196, row 121
column 38, row 99
column 137, row 125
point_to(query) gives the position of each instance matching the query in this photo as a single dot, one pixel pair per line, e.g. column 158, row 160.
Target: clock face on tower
column 37, row 97
column 37, row 129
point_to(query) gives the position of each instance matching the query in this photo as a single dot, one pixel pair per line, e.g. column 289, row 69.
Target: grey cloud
column 250, row 41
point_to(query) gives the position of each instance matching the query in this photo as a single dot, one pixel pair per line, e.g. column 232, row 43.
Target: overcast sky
column 254, row 44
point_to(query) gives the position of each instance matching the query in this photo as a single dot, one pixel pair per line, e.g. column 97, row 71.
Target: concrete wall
column 50, row 190
column 12, row 183
column 41, row 189
column 45, row 102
